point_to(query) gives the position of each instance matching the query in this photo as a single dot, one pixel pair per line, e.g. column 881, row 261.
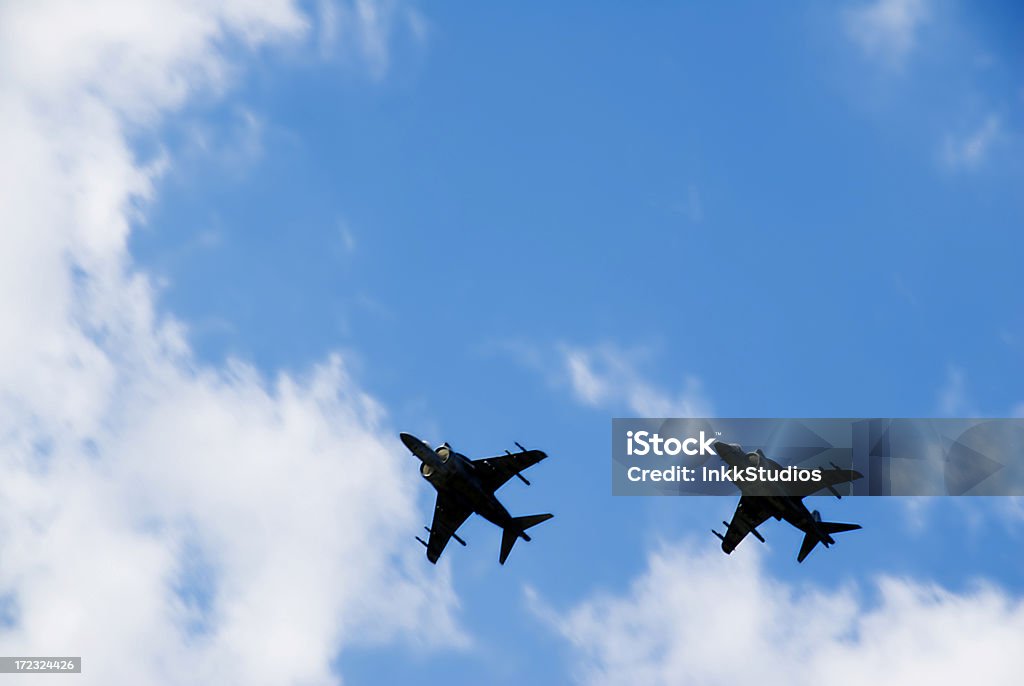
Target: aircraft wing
column 829, row 477
column 449, row 515
column 750, row 514
column 495, row 471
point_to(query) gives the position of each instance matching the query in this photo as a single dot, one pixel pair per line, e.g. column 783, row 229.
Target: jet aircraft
column 466, row 486
column 763, row 498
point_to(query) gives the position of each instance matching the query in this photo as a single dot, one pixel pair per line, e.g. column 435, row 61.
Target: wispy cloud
column 970, row 151
column 347, row 237
column 1013, row 508
column 886, row 30
column 916, row 513
column 364, row 29
column 953, row 397
column 607, row 376
column 690, row 615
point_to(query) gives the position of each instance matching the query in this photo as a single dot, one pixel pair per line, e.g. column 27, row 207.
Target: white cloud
column 606, row 376
column 970, row 151
column 705, row 618
column 169, row 521
column 886, row 30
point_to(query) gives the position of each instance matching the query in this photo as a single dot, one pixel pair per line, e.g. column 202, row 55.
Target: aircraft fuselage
column 782, row 506
column 454, row 474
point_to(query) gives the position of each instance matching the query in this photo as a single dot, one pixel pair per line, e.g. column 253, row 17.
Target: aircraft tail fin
column 811, row 538
column 516, row 529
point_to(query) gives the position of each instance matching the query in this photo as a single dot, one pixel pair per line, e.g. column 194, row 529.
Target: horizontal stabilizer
column 516, row 529
column 811, row 537
column 810, row 540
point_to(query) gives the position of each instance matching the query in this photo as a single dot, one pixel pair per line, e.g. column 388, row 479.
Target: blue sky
column 515, row 223
column 759, row 203
column 645, row 181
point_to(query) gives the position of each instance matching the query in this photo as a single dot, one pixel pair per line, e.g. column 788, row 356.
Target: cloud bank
column 704, row 619
column 169, row 521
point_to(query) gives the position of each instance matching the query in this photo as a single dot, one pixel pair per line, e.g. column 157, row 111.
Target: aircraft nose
column 721, row 447
column 409, row 440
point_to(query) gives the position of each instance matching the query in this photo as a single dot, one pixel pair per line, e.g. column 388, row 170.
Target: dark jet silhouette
column 466, row 486
column 763, row 498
